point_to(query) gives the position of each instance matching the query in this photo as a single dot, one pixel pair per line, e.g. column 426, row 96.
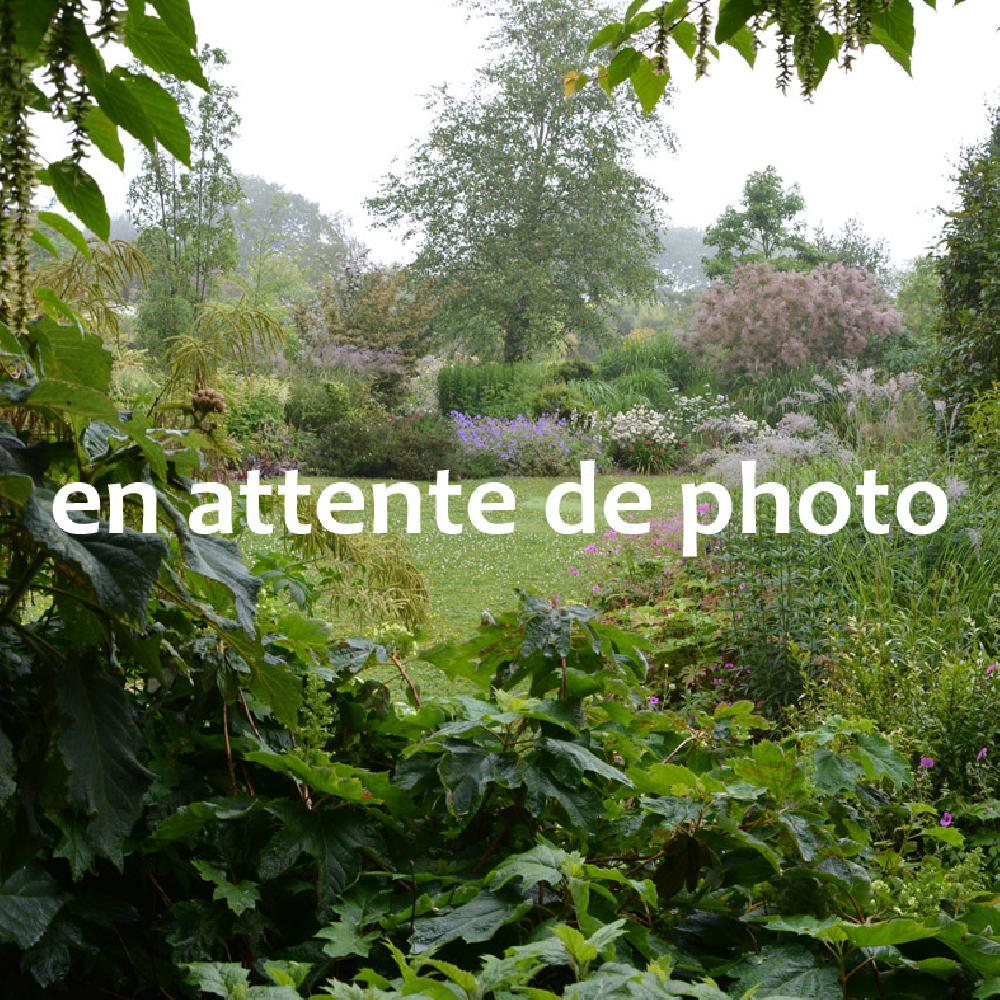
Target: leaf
column 67, row 230
column 888, row 932
column 743, row 41
column 98, row 747
column 663, row 779
column 29, row 900
column 44, row 242
column 622, row 66
column 893, row 30
column 176, row 15
column 570, row 762
column 217, row 559
column 120, row 103
column 8, row 769
column 648, row 84
column 541, row 864
column 834, row 773
column 605, row 36
column 155, row 45
column 473, row 922
column 31, row 21
column 828, row 929
column 70, row 400
column 79, row 193
column 104, row 134
column 120, row 568
column 733, row 15
column 880, row 760
column 219, row 979
column 163, row 114
column 787, row 970
column 69, row 355
column 238, row 896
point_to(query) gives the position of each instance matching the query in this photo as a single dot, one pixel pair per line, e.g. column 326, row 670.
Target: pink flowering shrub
column 765, row 319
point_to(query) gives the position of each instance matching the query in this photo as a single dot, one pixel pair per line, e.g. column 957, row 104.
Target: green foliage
column 764, row 229
column 808, row 42
column 526, row 263
column 661, row 354
column 968, row 360
column 489, row 389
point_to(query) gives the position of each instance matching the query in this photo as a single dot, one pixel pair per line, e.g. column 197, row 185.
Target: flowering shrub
column 640, row 439
column 519, row 446
column 764, row 319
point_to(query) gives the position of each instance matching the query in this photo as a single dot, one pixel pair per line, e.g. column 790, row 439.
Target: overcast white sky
column 330, row 94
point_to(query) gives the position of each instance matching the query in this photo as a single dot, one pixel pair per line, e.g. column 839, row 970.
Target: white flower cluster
column 734, row 427
column 640, row 423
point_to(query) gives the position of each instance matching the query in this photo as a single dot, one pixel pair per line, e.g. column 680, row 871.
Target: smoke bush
column 765, row 319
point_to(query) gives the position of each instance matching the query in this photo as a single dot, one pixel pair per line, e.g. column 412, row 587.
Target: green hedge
column 491, row 389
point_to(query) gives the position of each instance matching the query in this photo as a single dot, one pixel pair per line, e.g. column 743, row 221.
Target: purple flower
column 653, row 700
column 572, row 570
column 982, row 754
column 927, row 763
column 991, row 669
column 596, row 589
column 590, row 548
column 946, row 819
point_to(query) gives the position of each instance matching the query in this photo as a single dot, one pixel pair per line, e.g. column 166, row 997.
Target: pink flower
column 611, row 533
column 982, row 754
column 653, row 700
column 927, row 762
column 729, row 666
column 946, row 819
column 991, row 669
column 743, row 586
column 572, row 570
column 596, row 588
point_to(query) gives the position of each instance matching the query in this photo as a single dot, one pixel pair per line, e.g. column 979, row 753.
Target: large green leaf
column 31, row 20
column 217, row 559
column 733, row 15
column 104, row 134
column 156, row 46
column 98, row 747
column 122, row 106
column 541, row 864
column 570, row 762
column 176, row 15
column 69, row 355
column 785, row 971
column 69, row 399
column 79, row 193
column 880, row 760
column 834, row 773
column 238, row 896
column 163, row 115
column 475, row 921
column 29, row 900
column 121, row 568
column 66, row 229
column 893, row 30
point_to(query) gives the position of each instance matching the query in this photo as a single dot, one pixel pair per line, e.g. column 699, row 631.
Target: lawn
column 469, row 573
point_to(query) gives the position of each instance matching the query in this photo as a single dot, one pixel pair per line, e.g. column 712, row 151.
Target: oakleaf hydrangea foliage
column 764, row 319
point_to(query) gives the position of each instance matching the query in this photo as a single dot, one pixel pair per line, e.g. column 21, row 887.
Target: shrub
column 661, row 353
column 560, row 400
column 490, row 389
column 574, row 370
column 765, row 319
column 545, row 446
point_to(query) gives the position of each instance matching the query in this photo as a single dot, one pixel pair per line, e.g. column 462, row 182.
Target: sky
column 331, row 95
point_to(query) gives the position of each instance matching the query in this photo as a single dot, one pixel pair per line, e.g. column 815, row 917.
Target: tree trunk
column 515, row 334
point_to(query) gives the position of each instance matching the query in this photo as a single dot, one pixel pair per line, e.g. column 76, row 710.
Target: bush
column 491, row 389
column 765, row 319
column 574, row 370
column 661, row 353
column 559, row 400
column 545, row 446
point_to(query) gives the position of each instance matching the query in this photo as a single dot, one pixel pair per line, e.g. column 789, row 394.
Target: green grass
column 471, row 572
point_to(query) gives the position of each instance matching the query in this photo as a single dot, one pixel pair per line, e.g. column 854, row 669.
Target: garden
column 426, row 758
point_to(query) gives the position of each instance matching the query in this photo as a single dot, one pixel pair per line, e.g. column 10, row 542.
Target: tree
column 968, row 360
column 810, row 36
column 851, row 245
column 529, row 213
column 184, row 213
column 765, row 319
column 274, row 225
column 766, row 228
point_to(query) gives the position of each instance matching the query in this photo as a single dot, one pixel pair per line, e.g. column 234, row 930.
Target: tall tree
column 529, row 213
column 184, row 213
column 273, row 224
column 968, row 361
column 766, row 227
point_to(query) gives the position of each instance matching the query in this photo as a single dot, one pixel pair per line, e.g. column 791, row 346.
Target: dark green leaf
column 475, row 921
column 785, row 971
column 68, row 354
column 121, row 105
column 733, row 15
column 835, row 774
column 121, row 568
column 8, row 769
column 29, row 900
column 32, row 19
column 98, row 747
column 176, row 15
column 893, row 30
